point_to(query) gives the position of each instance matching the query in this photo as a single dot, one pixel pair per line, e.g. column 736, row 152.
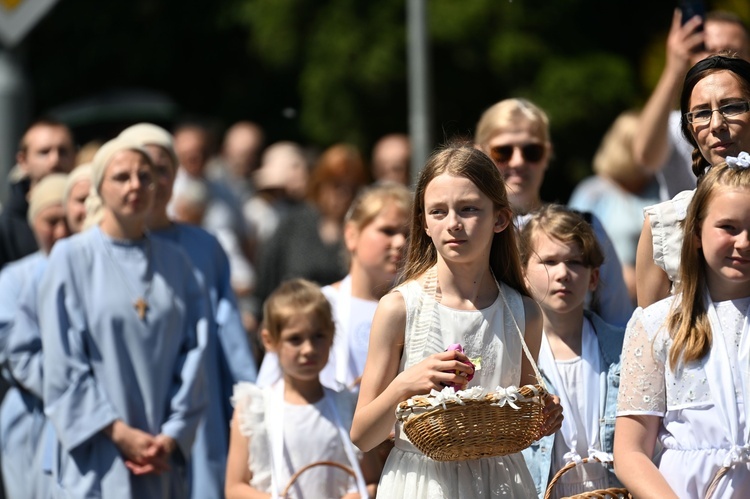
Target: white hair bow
column 741, row 162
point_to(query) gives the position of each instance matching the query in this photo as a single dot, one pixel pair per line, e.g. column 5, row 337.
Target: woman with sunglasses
column 515, row 134
column 715, row 106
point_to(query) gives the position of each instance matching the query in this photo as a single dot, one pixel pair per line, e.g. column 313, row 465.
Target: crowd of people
column 179, row 320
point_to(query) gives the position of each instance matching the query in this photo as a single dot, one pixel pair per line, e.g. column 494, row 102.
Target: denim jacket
column 539, row 455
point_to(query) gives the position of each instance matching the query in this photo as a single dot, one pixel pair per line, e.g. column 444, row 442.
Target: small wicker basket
column 461, row 428
column 295, row 477
column 473, row 428
column 610, row 493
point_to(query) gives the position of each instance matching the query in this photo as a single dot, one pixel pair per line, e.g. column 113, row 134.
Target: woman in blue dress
column 124, row 325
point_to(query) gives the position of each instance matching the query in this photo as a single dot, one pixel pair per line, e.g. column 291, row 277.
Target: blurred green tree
column 325, row 71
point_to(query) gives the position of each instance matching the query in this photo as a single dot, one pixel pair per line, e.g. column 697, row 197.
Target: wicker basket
column 610, row 493
column 473, row 428
column 293, row 479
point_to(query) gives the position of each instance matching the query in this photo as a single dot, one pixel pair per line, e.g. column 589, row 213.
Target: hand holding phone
column 690, row 9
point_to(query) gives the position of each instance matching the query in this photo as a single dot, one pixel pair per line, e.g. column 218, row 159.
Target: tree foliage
column 325, row 71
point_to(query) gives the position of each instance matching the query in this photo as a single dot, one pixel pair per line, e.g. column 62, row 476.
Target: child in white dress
column 277, row 430
column 461, row 241
column 685, row 359
column 580, row 353
column 375, row 231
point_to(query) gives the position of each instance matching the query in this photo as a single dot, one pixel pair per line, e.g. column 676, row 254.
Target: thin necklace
column 141, row 303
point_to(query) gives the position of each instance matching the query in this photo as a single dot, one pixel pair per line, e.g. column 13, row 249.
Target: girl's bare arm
column 635, row 439
column 238, row 475
column 651, row 282
column 383, row 387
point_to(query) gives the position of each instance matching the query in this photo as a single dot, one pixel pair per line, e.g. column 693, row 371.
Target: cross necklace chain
column 141, row 303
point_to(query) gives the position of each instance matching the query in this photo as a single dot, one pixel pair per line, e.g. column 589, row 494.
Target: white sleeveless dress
column 491, row 334
column 309, row 434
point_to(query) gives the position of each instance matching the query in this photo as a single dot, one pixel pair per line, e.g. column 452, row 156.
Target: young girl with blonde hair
column 685, row 358
column 580, row 353
column 278, row 430
column 375, row 231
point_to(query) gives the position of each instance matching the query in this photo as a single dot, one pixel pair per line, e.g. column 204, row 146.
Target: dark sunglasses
column 530, row 152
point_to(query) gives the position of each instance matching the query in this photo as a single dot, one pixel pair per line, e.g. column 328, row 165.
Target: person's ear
column 594, row 280
column 501, row 221
column 697, row 238
column 268, row 343
column 351, row 235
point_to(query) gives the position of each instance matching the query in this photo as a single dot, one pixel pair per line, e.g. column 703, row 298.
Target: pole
column 13, row 113
column 419, row 86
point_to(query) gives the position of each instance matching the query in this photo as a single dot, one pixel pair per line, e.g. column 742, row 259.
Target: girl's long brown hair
column 463, row 160
column 688, row 320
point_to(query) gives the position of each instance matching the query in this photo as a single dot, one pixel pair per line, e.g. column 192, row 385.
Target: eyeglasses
column 530, row 152
column 704, row 115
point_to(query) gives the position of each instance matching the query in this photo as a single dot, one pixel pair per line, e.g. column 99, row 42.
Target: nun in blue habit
column 124, row 326
column 21, row 414
column 229, row 357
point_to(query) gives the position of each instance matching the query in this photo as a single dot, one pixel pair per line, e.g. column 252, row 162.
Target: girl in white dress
column 277, row 430
column 375, row 231
column 580, row 353
column 461, row 239
column 685, row 358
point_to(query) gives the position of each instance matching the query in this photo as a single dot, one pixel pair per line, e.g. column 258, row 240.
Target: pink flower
column 475, row 364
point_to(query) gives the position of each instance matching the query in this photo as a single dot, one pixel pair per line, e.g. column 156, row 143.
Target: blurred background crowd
column 275, row 115
column 321, row 72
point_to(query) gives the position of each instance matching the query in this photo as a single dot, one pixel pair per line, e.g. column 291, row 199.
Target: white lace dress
column 491, row 334
column 695, row 430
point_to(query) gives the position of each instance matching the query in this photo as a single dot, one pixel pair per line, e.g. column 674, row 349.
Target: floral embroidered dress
column 702, row 403
column 491, row 334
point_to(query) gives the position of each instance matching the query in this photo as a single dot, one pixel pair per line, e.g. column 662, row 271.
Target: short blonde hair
column 506, row 115
column 566, row 225
column 296, row 296
column 372, row 199
column 614, row 158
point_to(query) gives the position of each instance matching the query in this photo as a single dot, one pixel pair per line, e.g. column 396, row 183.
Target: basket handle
column 538, row 374
column 297, row 474
column 594, row 494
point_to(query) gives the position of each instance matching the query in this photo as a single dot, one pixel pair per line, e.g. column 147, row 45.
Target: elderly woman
column 21, row 414
column 229, row 358
column 76, row 192
column 124, row 325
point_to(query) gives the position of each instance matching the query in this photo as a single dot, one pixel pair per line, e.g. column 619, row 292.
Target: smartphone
column 692, row 8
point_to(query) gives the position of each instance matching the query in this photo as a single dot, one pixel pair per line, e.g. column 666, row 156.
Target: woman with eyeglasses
column 715, row 106
column 515, row 134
